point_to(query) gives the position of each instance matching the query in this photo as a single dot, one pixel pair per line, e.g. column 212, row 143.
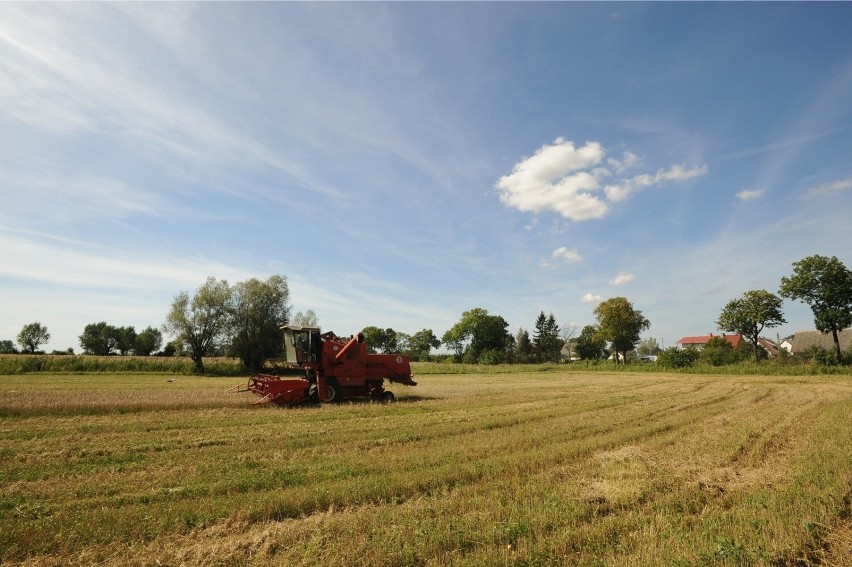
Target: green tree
column 390, row 345
column 124, row 339
column 201, row 322
column 258, row 311
column 33, row 335
column 381, row 340
column 148, row 341
column 306, row 319
column 750, row 314
column 373, row 338
column 7, row 347
column 825, row 284
column 590, row 345
column 402, row 342
column 718, row 351
column 174, row 347
column 523, row 347
column 478, row 332
column 546, row 341
column 674, row 357
column 421, row 343
column 620, row 324
column 98, row 338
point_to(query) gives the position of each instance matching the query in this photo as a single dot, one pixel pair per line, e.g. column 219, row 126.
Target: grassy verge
column 78, row 364
column 222, row 366
column 533, row 468
column 789, row 367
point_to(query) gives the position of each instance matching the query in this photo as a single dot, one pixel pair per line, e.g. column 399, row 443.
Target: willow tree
column 259, row 309
column 201, row 322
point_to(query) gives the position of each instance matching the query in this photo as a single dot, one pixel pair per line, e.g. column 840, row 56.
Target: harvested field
column 484, row 469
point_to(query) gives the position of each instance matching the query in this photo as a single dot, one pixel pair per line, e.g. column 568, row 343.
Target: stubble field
column 549, row 468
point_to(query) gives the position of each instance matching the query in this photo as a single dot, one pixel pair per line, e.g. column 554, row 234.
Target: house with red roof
column 701, row 340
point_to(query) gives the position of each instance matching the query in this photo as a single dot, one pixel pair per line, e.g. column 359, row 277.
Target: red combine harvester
column 332, row 369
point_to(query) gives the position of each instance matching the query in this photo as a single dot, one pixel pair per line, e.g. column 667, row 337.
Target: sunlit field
column 549, row 468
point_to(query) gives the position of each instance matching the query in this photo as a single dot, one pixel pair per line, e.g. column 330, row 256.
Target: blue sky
column 402, row 163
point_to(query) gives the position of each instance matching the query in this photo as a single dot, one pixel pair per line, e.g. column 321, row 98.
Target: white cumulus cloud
column 591, row 298
column 749, row 194
column 628, row 160
column 555, row 179
column 564, row 178
column 622, row 278
column 567, row 255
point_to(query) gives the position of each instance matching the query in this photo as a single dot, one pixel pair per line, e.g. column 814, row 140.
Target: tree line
column 823, row 283
column 244, row 321
column 98, row 338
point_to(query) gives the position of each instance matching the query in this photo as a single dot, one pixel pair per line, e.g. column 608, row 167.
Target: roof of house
column 768, row 346
column 735, row 340
column 805, row 340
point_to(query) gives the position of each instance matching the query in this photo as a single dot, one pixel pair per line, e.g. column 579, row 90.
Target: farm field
column 553, row 468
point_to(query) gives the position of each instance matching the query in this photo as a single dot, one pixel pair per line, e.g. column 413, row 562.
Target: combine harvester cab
column 330, row 369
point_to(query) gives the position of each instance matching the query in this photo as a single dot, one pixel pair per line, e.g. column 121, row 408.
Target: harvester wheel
column 332, row 391
column 388, row 397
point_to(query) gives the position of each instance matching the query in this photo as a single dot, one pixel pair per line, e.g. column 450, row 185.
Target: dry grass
column 525, row 469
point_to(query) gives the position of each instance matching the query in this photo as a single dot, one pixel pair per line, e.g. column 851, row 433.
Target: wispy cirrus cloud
column 76, row 197
column 678, row 172
column 72, row 263
column 828, row 189
column 52, row 81
column 567, row 179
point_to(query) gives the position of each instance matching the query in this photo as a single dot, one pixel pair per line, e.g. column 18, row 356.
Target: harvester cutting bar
column 284, row 392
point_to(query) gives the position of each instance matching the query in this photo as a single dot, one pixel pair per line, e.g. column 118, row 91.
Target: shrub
column 719, row 352
column 827, row 357
column 492, row 357
column 674, row 357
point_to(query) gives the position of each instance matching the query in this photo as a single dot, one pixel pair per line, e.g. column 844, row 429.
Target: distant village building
column 569, row 351
column 803, row 341
column 698, row 342
column 769, row 346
